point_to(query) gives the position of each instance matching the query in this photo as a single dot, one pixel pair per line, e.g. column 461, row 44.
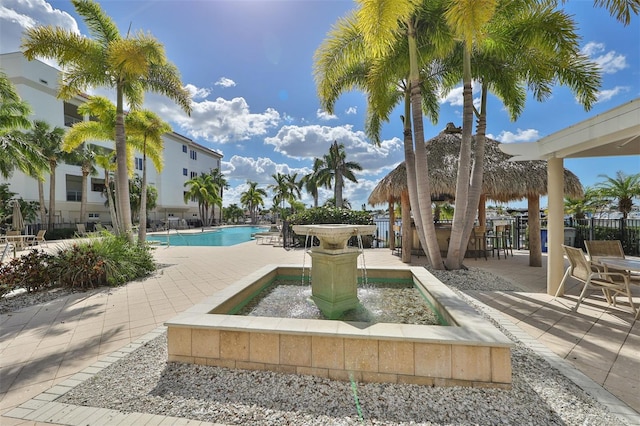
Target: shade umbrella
column 17, row 221
column 503, row 180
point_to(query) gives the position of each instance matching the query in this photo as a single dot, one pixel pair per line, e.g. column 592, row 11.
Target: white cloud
column 197, row 92
column 609, row 62
column 454, row 97
column 219, row 121
column 19, row 15
column 528, row 135
column 308, row 142
column 325, row 116
column 351, row 110
column 225, row 82
column 606, row 95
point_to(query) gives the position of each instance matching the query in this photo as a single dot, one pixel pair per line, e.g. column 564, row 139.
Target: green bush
column 108, row 260
column 320, row 215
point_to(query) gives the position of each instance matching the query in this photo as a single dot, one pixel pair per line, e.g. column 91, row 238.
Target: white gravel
column 145, row 382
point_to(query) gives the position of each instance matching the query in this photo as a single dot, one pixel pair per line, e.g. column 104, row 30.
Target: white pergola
column 612, row 133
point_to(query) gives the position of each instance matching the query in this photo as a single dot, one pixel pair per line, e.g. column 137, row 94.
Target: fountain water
column 334, row 268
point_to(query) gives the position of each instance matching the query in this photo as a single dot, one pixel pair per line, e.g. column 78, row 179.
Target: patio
column 48, row 345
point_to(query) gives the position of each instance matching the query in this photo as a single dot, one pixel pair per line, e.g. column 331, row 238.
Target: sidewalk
column 44, row 345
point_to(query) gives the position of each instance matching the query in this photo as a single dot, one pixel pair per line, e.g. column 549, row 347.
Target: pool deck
column 44, row 349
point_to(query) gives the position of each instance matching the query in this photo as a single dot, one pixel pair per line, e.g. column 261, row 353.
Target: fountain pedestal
column 334, row 276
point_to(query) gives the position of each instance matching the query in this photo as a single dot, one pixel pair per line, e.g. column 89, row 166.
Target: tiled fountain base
column 469, row 351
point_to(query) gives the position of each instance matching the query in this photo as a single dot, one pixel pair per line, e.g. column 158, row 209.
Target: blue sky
column 249, row 67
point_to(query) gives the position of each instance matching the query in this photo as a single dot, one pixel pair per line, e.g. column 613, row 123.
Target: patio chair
column 612, row 284
column 6, row 249
column 81, row 230
column 38, row 240
column 479, row 241
column 608, row 248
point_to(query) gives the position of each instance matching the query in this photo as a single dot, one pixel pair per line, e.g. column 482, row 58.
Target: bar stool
column 507, row 240
column 479, row 237
column 498, row 242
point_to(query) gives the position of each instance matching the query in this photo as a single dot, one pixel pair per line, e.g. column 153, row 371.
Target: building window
column 185, row 172
column 138, row 163
column 194, row 174
column 94, row 215
column 193, row 155
column 184, row 149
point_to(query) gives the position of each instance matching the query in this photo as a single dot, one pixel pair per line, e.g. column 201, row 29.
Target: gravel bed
column 145, row 382
column 21, row 299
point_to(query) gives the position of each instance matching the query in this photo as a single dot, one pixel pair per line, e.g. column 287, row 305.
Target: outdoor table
column 18, row 241
column 629, row 265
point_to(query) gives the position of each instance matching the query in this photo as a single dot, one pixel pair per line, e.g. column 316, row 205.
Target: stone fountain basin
column 335, row 235
column 470, row 351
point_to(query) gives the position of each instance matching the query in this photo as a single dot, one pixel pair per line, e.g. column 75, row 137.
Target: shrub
column 33, row 271
column 319, row 215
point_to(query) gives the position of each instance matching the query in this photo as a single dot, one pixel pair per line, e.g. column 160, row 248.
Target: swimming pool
column 220, row 237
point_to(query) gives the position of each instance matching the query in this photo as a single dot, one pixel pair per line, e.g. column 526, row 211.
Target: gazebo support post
column 407, row 230
column 392, row 222
column 535, row 245
column 482, row 210
column 555, row 223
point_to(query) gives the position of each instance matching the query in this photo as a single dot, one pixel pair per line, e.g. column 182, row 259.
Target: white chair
column 612, row 284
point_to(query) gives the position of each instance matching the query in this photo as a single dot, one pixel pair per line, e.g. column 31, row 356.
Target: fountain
column 334, row 287
column 467, row 351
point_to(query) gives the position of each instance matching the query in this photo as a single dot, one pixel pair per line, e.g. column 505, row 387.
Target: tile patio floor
column 44, row 345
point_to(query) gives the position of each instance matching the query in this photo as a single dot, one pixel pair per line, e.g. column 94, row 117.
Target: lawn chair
column 611, row 283
column 38, row 240
column 81, row 230
column 608, row 248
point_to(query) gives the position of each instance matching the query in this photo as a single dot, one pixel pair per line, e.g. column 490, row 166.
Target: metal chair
column 608, row 248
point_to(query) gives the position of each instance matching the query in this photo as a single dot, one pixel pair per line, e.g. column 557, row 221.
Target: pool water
column 220, row 237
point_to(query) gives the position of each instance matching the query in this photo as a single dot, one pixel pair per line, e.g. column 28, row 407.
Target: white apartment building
column 37, row 84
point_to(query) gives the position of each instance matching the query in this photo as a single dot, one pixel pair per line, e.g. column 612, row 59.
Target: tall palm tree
column 232, row 213
column 444, row 57
column 221, row 182
column 252, row 199
column 620, row 190
column 311, row 181
column 85, row 156
column 50, row 145
column 336, row 169
column 145, row 130
column 130, row 65
column 17, row 151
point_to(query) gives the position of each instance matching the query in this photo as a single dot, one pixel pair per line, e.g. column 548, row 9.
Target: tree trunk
column 122, row 175
column 142, row 225
column 52, row 195
column 535, row 246
column 338, row 191
column 456, row 251
column 407, row 231
column 424, row 220
column 392, row 222
column 110, row 203
column 43, row 209
column 83, row 196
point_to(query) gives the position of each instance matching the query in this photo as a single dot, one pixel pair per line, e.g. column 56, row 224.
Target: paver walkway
column 44, row 345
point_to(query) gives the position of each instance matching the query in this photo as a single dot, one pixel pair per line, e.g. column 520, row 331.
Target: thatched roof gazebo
column 503, row 180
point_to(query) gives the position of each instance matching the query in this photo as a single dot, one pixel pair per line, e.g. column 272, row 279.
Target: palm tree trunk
column 110, row 203
column 43, row 209
column 456, row 252
column 122, row 177
column 142, row 227
column 52, row 195
column 425, row 227
column 83, row 195
column 338, row 188
column 535, row 245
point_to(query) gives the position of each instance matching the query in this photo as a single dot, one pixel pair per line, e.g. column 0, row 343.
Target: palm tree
column 50, row 146
column 252, row 199
column 130, row 65
column 85, row 156
column 311, row 181
column 17, row 151
column 105, row 159
column 203, row 189
column 232, row 213
column 286, row 189
column 565, row 65
column 221, row 182
column 145, row 130
column 621, row 189
column 336, row 169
